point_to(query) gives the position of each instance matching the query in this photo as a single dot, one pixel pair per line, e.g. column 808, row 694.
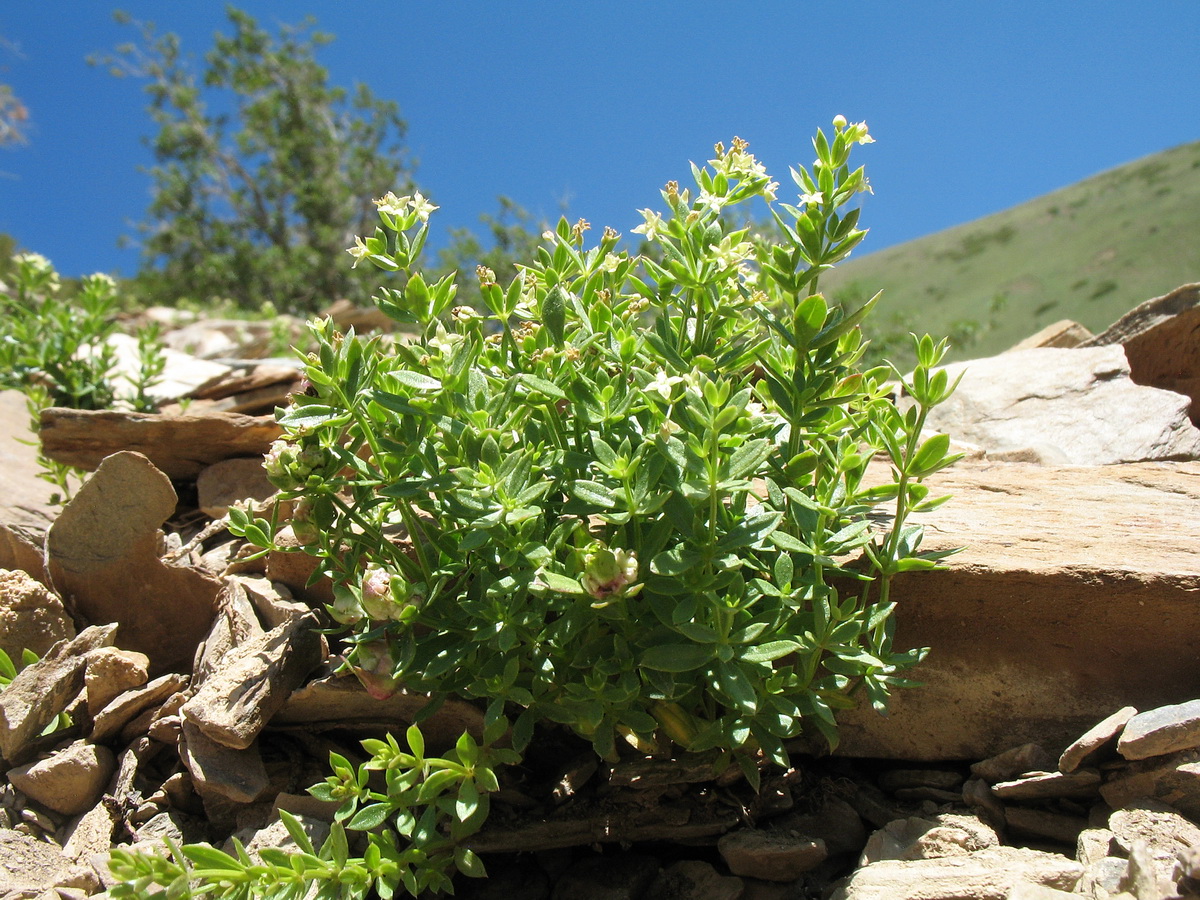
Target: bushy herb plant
column 627, row 497
column 54, row 346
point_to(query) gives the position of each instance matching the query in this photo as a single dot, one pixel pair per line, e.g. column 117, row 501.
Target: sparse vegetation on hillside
column 1087, row 252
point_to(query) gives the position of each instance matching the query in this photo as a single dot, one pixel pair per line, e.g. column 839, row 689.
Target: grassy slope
column 1087, row 252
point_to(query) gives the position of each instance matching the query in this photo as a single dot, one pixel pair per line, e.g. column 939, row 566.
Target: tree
column 264, row 172
column 13, row 114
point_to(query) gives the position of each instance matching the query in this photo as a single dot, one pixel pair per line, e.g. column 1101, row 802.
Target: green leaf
column 770, row 651
column 593, row 493
column 416, row 380
column 737, row 686
column 370, row 817
column 679, row 560
column 554, row 313
column 541, row 386
column 677, row 657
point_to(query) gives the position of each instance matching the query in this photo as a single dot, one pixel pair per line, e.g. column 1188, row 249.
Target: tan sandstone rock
column 70, row 780
column 32, row 617
column 1075, row 597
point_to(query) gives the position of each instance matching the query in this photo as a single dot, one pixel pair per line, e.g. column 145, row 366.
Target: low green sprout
column 629, row 497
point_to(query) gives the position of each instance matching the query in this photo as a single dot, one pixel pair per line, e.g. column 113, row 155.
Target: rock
column 19, row 553
column 224, row 483
column 1173, row 779
column 182, row 373
column 1067, row 406
column 691, row 879
column 1145, row 878
column 918, row 838
column 1166, row 833
column 273, row 602
column 70, row 780
column 1158, row 732
column 90, row 833
column 770, row 855
column 213, row 339
column 127, row 706
column 102, row 553
column 292, row 567
column 276, row 835
column 983, row 875
column 1081, row 783
column 1061, row 561
column 1159, row 338
column 253, row 377
column 32, row 866
column 26, row 501
column 1092, row 746
column 1039, row 823
column 42, row 690
column 1027, row 891
column 31, row 616
column 623, row 876
column 835, row 822
column 341, row 702
column 1063, row 333
column 179, row 446
column 978, row 795
column 900, row 779
column 109, row 673
column 237, row 775
column 254, row 682
column 1093, row 845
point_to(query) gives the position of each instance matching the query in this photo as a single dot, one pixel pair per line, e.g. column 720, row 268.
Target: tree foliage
column 263, row 172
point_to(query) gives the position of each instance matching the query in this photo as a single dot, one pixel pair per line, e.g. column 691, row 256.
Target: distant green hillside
column 1087, row 252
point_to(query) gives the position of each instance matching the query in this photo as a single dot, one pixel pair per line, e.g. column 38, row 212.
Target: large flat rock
column 1078, row 594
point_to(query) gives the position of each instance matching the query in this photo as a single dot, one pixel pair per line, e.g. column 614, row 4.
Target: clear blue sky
column 975, row 106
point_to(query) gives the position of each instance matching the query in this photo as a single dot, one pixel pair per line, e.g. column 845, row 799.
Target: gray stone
column 983, row 875
column 32, row 616
column 341, row 701
column 224, row 483
column 44, row 689
column 770, row 855
column 1146, row 878
column 102, row 554
column 132, row 703
column 1092, row 746
column 31, row 866
column 899, row 779
column 254, row 682
column 1070, row 406
column 1166, row 833
column 20, row 551
column 920, row 838
column 1173, row 779
column 1063, row 333
column 275, row 834
column 1158, row 732
column 691, row 879
column 1159, row 337
column 70, row 780
column 1040, row 823
column 1082, row 783
column 834, row 821
column 109, row 673
column 26, row 501
column 237, row 775
column 180, row 446
column 978, row 795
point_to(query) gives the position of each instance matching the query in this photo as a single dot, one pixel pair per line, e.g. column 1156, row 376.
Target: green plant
column 56, row 350
column 628, row 498
column 430, row 802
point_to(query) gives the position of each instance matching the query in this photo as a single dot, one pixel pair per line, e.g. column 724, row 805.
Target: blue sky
column 975, row 106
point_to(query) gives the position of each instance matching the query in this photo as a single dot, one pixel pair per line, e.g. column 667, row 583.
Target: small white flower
column 812, row 198
column 769, row 191
column 653, row 225
column 730, row 254
column 710, row 201
column 664, row 385
column 609, row 263
column 391, row 205
column 359, row 251
column 422, row 207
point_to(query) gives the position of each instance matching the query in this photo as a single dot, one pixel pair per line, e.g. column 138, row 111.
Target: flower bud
column 374, row 665
column 304, row 525
column 377, row 601
column 839, row 122
column 609, row 573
